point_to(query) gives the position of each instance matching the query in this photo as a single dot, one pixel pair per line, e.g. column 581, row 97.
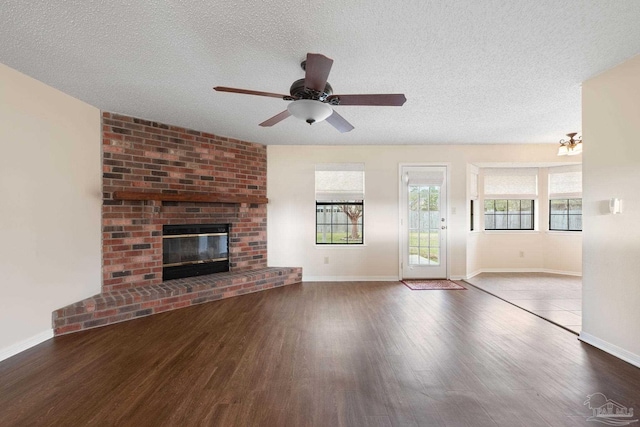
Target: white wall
column 50, row 199
column 611, row 248
column 551, row 252
column 291, row 208
column 563, row 253
column 511, row 251
column 542, row 250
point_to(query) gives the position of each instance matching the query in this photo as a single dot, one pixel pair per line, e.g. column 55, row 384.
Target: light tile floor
column 554, row 297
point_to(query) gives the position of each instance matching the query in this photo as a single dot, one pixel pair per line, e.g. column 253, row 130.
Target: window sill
column 339, row 246
column 511, row 231
column 564, row 232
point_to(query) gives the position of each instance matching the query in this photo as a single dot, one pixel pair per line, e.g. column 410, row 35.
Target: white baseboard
column 563, row 272
column 453, row 277
column 513, row 270
column 349, row 278
column 16, row 348
column 470, row 275
column 612, row 349
column 522, row 270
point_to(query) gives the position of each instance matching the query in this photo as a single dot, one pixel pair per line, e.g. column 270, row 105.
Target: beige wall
column 50, row 202
column 291, row 211
column 611, row 249
column 551, row 252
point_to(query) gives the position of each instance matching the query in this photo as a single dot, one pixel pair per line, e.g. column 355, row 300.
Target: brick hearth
column 144, row 156
column 118, row 306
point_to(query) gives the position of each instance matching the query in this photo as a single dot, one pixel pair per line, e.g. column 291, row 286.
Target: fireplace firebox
column 194, row 249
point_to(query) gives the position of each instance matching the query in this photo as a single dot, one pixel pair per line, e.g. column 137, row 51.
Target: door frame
column 447, row 166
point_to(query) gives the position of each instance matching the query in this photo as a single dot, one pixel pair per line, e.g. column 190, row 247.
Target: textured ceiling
column 473, row 71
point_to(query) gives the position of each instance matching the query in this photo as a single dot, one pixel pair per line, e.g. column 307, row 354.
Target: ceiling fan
column 313, row 96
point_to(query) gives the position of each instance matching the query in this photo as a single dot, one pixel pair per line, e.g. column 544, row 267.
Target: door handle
column 444, row 227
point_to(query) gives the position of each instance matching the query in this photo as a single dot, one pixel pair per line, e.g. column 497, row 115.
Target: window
column 565, row 198
column 510, row 195
column 339, row 223
column 565, row 214
column 473, row 195
column 339, row 203
column 471, row 214
column 425, row 201
column 508, row 214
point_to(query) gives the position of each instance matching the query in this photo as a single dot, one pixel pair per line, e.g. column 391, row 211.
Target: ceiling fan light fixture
column 311, row 98
column 309, row 110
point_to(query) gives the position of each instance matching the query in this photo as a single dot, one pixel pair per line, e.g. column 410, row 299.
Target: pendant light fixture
column 570, row 147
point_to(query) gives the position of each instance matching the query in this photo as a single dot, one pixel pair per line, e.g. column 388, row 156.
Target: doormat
column 427, row 284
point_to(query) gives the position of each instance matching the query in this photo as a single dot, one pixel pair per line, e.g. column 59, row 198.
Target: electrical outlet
column 521, row 254
column 326, row 260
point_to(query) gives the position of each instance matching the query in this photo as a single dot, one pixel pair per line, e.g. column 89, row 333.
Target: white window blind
column 510, row 183
column 565, row 182
column 435, row 178
column 339, row 182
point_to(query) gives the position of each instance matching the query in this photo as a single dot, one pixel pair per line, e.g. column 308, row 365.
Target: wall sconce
column 615, row 206
column 570, row 147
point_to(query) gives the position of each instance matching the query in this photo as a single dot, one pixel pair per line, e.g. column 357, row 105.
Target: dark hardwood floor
column 319, row 354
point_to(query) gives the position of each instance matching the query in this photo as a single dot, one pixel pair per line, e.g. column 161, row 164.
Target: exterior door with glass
column 423, row 222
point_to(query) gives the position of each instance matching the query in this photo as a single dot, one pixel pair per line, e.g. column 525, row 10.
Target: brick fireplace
column 142, row 155
column 200, row 178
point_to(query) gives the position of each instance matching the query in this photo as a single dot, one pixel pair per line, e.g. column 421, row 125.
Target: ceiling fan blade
column 338, row 122
column 386, row 99
column 276, row 119
column 317, row 68
column 249, row 92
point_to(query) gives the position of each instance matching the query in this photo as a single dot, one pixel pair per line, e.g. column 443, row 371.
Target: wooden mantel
column 188, row 197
